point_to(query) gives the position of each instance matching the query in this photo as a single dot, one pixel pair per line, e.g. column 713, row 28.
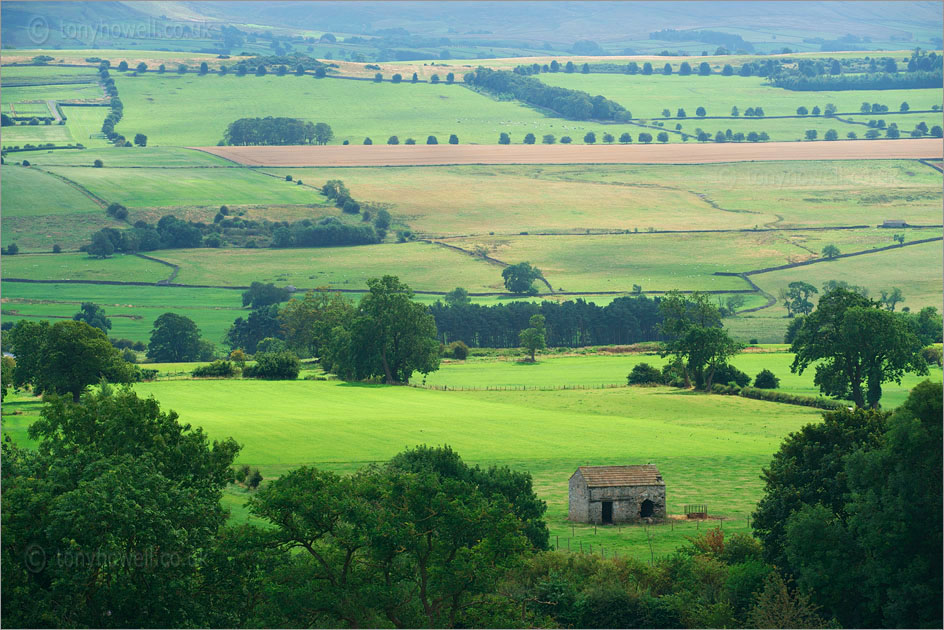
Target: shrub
column 644, row 374
column 673, row 374
column 56, row 248
column 791, row 399
column 129, row 355
column 254, row 479
column 145, row 374
column 274, row 366
column 458, row 350
column 98, row 164
column 933, row 355
column 219, row 369
column 727, row 374
column 765, row 379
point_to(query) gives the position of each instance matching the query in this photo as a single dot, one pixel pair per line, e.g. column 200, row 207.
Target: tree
column 247, row 333
column 727, row 71
column 680, row 113
column 797, row 298
column 307, row 323
column 892, row 298
column 590, row 138
column 566, row 140
column 431, row 140
column 397, row 78
column 415, row 78
column 529, row 138
column 279, row 366
column 391, row 336
column 12, row 249
column 519, row 278
column 937, row 131
column 856, row 347
column 830, row 251
column 904, row 107
column 123, row 66
column 93, row 315
column 260, row 294
column 585, row 68
column 662, row 137
column 811, row 134
column 802, row 111
column 182, row 69
column 141, row 67
column 453, row 139
column 393, row 140
column 174, row 339
column 685, row 69
column 532, row 338
column 65, row 357
column 644, row 374
column 378, row 78
column 504, row 138
column 816, row 110
column 98, row 164
column 667, row 69
column 666, row 113
column 569, row 67
column 368, row 141
column 892, row 132
column 457, row 297
column 101, row 246
column 766, row 379
column 120, row 504
column 645, row 137
column 831, row 134
column 830, row 110
column 704, row 69
column 548, row 139
column 647, row 68
column 700, row 112
column 696, row 338
column 421, row 541
column 625, row 138
column 608, row 138
column 450, row 78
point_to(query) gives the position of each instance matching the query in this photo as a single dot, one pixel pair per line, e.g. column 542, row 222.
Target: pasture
column 647, row 96
column 192, row 110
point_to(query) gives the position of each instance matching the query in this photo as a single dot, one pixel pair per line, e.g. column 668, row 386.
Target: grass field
column 77, row 266
column 191, row 110
column 646, row 97
column 36, row 134
column 28, row 192
column 85, row 124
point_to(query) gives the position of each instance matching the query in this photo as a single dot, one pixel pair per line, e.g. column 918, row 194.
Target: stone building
column 616, row 494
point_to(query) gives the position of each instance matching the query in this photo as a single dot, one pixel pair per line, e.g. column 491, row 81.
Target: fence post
column 581, row 546
column 558, row 542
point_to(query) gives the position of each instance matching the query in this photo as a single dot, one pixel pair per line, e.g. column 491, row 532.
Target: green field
column 76, row 266
column 85, row 124
column 646, row 97
column 36, row 134
column 191, row 110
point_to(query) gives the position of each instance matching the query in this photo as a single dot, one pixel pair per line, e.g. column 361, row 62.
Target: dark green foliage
column 519, row 278
column 247, row 333
column 175, row 338
column 504, row 138
column 727, row 374
column 217, row 369
column 390, row 337
column 282, row 365
column 869, row 81
column 766, row 379
column 457, row 350
column 110, row 522
column 644, row 374
column 275, row 131
column 93, row 315
column 856, row 346
column 573, row 104
column 64, row 358
column 260, row 294
column 695, row 336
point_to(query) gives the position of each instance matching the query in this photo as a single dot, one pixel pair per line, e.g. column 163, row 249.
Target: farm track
column 445, row 155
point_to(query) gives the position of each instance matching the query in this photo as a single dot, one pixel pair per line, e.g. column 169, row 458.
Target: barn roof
column 603, row 476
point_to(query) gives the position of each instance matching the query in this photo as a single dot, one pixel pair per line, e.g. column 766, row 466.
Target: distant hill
column 617, row 27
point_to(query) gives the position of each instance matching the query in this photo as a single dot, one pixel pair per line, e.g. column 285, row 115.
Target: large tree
column 104, row 523
column 533, row 337
column 856, row 347
column 93, row 315
column 520, row 278
column 419, row 542
column 695, row 336
column 263, row 294
column 174, row 338
column 307, row 323
column 390, row 336
column 65, row 357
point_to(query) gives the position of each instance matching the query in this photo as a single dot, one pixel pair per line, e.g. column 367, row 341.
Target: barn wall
column 579, row 499
column 626, row 502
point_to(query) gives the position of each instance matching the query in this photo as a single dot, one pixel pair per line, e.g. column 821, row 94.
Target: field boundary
column 804, row 263
column 82, row 189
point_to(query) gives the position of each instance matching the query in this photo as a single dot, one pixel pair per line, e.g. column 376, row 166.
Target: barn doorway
column 607, row 512
column 647, row 509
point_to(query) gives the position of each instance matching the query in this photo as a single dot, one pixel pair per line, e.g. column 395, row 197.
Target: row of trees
column 572, row 104
column 872, row 81
column 276, row 131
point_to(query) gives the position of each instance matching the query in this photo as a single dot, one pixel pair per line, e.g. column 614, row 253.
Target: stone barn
column 616, row 494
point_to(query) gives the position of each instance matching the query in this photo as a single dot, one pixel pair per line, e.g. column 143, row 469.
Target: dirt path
column 690, row 153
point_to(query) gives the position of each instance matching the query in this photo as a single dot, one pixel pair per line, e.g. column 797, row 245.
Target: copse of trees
column 868, row 81
column 577, row 323
column 573, row 104
column 276, row 131
column 176, row 339
column 263, row 294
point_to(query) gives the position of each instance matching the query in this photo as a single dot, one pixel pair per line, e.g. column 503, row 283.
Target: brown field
column 443, row 154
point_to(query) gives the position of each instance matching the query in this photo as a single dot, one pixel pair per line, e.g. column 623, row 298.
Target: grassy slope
column 191, row 110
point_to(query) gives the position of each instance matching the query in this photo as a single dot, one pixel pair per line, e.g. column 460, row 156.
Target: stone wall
column 586, row 504
column 579, row 499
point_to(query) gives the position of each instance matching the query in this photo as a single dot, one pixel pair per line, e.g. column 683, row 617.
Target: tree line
column 871, row 81
column 574, row 104
column 276, row 131
column 570, row 324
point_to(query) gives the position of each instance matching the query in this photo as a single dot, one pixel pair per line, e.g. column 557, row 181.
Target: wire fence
column 516, row 388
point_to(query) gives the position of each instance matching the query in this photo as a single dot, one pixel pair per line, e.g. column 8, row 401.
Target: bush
column 129, row 355
column 791, row 399
column 727, row 374
column 933, row 355
column 457, row 350
column 218, row 369
column 644, row 374
column 98, row 164
column 765, row 379
column 56, row 248
column 673, row 374
column 145, row 374
column 274, row 366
